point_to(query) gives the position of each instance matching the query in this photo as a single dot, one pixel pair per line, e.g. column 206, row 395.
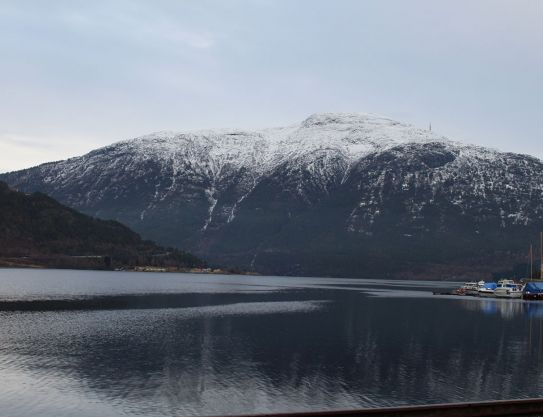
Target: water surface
column 125, row 344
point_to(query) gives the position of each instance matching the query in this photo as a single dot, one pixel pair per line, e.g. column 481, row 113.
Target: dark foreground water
column 123, row 344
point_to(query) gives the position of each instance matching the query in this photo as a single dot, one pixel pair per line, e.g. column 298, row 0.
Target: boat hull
column 532, row 296
column 507, row 293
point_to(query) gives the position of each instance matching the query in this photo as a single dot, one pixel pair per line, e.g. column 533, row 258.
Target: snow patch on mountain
column 215, row 153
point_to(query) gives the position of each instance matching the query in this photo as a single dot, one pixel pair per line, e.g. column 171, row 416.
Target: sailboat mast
column 531, row 261
column 541, row 258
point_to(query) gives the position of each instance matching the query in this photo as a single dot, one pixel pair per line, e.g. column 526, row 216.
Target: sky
column 77, row 75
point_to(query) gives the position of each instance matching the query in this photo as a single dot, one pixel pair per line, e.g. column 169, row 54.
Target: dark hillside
column 36, row 229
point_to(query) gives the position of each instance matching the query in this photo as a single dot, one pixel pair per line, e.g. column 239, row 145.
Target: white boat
column 487, row 290
column 471, row 288
column 508, row 288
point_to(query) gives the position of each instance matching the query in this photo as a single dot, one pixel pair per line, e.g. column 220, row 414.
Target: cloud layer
column 90, row 73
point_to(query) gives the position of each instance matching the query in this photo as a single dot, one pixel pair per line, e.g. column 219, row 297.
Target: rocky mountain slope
column 37, row 230
column 338, row 194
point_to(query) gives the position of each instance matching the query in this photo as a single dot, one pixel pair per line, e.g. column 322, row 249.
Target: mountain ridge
column 260, row 199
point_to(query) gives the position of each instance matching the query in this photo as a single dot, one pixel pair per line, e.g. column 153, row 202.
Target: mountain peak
column 218, row 151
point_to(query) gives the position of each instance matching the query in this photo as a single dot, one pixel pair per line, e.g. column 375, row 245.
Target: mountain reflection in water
column 313, row 345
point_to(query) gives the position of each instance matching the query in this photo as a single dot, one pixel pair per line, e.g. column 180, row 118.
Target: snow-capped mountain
column 338, row 194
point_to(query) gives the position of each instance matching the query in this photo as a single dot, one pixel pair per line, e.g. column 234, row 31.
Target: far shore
column 8, row 263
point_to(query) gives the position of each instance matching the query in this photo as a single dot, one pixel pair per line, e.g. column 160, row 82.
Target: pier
column 525, row 407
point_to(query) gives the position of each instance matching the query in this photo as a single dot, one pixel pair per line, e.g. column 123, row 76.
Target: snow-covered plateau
column 337, row 194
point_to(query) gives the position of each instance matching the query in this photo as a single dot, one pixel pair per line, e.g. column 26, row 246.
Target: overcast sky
column 76, row 75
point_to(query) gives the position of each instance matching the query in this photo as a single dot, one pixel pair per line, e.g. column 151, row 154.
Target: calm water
column 126, row 344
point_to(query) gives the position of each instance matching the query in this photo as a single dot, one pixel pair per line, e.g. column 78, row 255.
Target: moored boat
column 470, row 288
column 508, row 288
column 487, row 290
column 533, row 290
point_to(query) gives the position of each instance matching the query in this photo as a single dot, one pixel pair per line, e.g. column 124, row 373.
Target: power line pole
column 541, row 258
